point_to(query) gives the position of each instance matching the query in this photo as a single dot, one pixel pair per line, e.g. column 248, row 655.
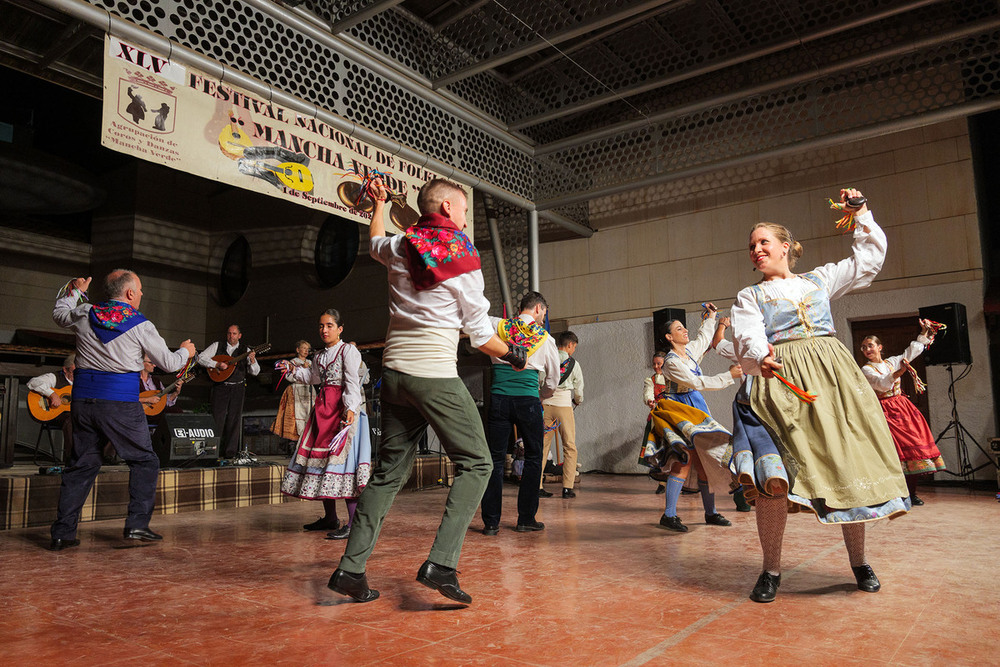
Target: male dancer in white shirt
column 435, row 290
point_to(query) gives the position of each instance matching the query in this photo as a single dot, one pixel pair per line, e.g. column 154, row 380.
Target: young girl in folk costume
column 653, row 389
column 832, row 455
column 297, row 399
column 328, row 463
column 910, row 432
column 685, row 410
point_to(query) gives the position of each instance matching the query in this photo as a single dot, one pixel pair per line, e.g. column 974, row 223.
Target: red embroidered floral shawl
column 437, row 250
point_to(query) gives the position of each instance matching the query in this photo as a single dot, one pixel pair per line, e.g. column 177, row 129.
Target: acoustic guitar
column 153, row 409
column 40, row 409
column 221, row 376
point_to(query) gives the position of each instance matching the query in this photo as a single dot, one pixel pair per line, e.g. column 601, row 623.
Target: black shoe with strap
column 717, row 520
column 766, row 588
column 323, row 523
column 341, row 533
column 673, row 523
column 542, row 493
column 867, row 581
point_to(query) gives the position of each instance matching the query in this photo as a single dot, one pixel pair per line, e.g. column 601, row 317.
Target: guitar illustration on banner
column 292, row 172
column 222, row 375
column 40, row 409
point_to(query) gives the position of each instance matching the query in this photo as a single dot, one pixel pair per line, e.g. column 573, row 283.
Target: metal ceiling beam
column 460, row 14
column 597, row 36
column 847, row 136
column 363, row 15
column 769, row 86
column 27, row 60
column 602, row 99
column 71, row 37
column 544, row 42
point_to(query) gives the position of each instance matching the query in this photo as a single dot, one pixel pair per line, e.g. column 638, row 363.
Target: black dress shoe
column 915, row 500
column 443, row 580
column 341, row 533
column 867, row 581
column 542, row 493
column 323, row 523
column 58, row 544
column 352, row 585
column 529, row 527
column 660, row 489
column 141, row 534
column 569, row 493
column 491, row 530
column 673, row 523
column 766, row 587
column 717, row 520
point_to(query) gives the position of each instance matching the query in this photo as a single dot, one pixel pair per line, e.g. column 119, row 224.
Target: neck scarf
column 436, row 250
column 113, row 318
column 518, row 332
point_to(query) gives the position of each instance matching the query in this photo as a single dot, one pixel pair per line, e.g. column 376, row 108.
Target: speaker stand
column 966, row 471
column 244, row 458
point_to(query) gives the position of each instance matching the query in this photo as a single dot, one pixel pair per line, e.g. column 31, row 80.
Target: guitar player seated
column 46, row 385
column 149, row 383
column 227, row 395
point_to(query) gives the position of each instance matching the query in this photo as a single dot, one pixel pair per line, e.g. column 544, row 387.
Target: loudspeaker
column 661, row 317
column 184, row 439
column 951, row 346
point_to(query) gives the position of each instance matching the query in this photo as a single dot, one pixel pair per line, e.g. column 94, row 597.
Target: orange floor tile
column 602, row 585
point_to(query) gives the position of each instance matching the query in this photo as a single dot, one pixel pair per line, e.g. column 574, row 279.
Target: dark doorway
column 896, row 333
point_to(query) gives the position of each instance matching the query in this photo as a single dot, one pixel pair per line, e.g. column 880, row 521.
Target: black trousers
column 227, row 408
column 124, row 424
column 525, row 412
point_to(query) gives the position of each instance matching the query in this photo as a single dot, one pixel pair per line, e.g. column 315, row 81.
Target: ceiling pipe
column 857, row 134
column 601, row 100
column 769, row 87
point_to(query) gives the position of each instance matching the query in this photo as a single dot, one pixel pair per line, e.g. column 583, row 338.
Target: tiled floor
column 602, row 585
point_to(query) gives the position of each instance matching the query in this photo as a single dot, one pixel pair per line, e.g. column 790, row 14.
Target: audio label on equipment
column 194, row 433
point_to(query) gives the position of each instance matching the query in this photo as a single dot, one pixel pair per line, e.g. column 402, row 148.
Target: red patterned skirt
column 912, row 436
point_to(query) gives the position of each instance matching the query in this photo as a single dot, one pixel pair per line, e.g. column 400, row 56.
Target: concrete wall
column 684, row 242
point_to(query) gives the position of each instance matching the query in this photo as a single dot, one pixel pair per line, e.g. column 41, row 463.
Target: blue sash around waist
column 88, row 383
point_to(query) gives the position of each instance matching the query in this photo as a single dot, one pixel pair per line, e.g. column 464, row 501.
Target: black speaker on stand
column 186, row 440
column 661, row 317
column 951, row 346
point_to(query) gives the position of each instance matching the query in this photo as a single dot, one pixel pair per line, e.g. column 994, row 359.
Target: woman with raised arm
column 832, row 452
column 331, row 462
column 915, row 446
column 684, row 384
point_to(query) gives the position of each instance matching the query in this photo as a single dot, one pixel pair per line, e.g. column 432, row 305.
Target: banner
column 177, row 116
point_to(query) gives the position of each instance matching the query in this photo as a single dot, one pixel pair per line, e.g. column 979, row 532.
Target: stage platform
column 29, row 499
